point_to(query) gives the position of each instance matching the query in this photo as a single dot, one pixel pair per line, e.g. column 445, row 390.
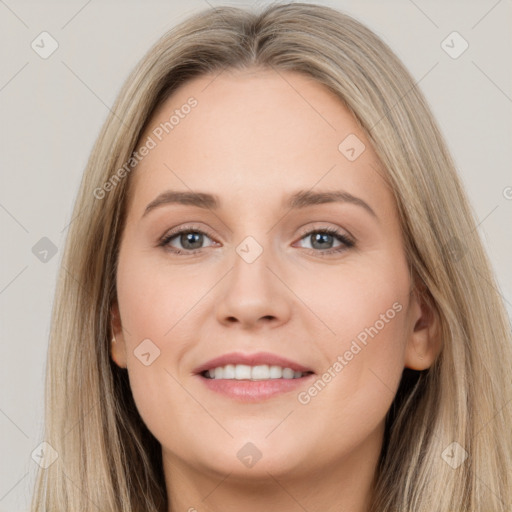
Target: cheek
column 365, row 311
column 366, row 308
column 150, row 305
column 153, row 296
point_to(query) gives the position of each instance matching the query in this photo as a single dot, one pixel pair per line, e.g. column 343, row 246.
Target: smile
column 258, row 372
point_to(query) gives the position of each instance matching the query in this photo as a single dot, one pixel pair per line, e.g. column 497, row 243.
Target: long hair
column 108, row 460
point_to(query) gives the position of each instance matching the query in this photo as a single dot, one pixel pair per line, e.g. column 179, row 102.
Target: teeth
column 246, row 372
column 242, row 371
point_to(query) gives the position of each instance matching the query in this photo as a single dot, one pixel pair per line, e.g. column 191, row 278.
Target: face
column 266, row 266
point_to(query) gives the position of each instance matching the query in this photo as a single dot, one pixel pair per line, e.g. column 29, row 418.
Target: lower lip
column 254, row 390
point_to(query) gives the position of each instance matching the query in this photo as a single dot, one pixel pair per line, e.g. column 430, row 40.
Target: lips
column 259, row 358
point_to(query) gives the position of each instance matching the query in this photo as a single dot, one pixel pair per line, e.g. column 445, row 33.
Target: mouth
column 253, row 377
column 244, row 372
column 256, row 366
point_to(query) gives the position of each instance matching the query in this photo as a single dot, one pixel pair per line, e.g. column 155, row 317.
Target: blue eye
column 324, row 238
column 191, row 241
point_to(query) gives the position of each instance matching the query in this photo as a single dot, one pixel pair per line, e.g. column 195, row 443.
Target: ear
column 117, row 341
column 424, row 343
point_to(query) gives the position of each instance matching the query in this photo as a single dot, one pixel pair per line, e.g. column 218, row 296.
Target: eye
column 190, row 240
column 322, row 241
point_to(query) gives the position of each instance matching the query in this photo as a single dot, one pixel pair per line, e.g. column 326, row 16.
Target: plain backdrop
column 51, row 111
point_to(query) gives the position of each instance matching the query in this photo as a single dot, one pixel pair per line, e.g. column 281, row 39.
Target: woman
column 211, row 350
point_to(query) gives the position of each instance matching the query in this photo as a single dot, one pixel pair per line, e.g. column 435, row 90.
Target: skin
column 253, row 140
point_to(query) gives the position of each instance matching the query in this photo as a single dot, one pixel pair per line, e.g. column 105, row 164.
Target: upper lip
column 255, row 359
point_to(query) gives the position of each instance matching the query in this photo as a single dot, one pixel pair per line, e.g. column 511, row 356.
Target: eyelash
column 347, row 242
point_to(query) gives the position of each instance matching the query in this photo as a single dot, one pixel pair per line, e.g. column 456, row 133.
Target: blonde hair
column 108, row 460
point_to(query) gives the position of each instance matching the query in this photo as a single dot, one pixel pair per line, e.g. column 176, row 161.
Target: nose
column 254, row 295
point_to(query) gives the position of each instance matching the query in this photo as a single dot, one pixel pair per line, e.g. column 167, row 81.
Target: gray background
column 52, row 109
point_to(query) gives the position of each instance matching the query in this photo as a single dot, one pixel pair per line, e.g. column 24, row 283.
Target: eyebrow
column 298, row 200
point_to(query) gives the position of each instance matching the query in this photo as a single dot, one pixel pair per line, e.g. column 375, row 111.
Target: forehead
column 256, row 134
